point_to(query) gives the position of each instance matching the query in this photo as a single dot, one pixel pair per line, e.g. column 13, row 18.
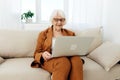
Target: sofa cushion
column 1, row 60
column 20, row 69
column 17, row 43
column 92, row 32
column 107, row 55
column 90, row 68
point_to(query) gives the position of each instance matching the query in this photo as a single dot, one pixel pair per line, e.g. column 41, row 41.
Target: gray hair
column 55, row 12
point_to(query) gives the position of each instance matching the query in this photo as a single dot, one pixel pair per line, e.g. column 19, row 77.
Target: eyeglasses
column 59, row 19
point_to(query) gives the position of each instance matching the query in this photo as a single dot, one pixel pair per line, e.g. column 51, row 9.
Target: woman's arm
column 39, row 48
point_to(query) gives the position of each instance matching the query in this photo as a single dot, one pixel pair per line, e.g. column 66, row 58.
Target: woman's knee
column 64, row 61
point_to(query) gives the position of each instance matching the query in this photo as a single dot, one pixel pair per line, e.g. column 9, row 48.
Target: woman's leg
column 59, row 67
column 76, row 68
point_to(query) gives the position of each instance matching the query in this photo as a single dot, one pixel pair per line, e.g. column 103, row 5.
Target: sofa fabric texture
column 1, row 60
column 17, row 43
column 107, row 55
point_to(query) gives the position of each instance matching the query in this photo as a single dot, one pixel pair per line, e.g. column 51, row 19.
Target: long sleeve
column 38, row 60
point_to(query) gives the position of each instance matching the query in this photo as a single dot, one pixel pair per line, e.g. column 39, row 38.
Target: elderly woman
column 61, row 68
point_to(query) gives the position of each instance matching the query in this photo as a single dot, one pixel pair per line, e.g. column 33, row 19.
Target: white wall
column 10, row 14
column 111, row 20
column 86, row 11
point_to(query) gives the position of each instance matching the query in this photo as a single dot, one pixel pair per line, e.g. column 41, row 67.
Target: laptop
column 71, row 45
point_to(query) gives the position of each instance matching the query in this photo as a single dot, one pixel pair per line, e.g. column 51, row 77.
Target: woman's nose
column 59, row 21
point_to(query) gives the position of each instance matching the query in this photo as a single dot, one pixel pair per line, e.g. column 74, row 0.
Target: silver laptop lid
column 71, row 45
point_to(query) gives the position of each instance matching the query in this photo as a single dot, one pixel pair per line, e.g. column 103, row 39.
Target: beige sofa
column 16, row 55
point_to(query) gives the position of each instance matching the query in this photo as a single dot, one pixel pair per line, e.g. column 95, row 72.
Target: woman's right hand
column 46, row 55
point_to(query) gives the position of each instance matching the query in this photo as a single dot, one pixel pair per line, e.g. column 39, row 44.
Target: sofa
column 17, row 48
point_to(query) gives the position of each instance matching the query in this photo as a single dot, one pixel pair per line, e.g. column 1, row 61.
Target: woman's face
column 58, row 21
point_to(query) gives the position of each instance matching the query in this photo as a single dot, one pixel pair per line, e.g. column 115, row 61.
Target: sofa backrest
column 22, row 43
column 17, row 43
column 93, row 32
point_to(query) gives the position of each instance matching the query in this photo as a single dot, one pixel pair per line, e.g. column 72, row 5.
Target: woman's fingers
column 46, row 55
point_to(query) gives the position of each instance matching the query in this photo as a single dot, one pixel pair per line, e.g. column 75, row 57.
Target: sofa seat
column 20, row 69
column 94, row 71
